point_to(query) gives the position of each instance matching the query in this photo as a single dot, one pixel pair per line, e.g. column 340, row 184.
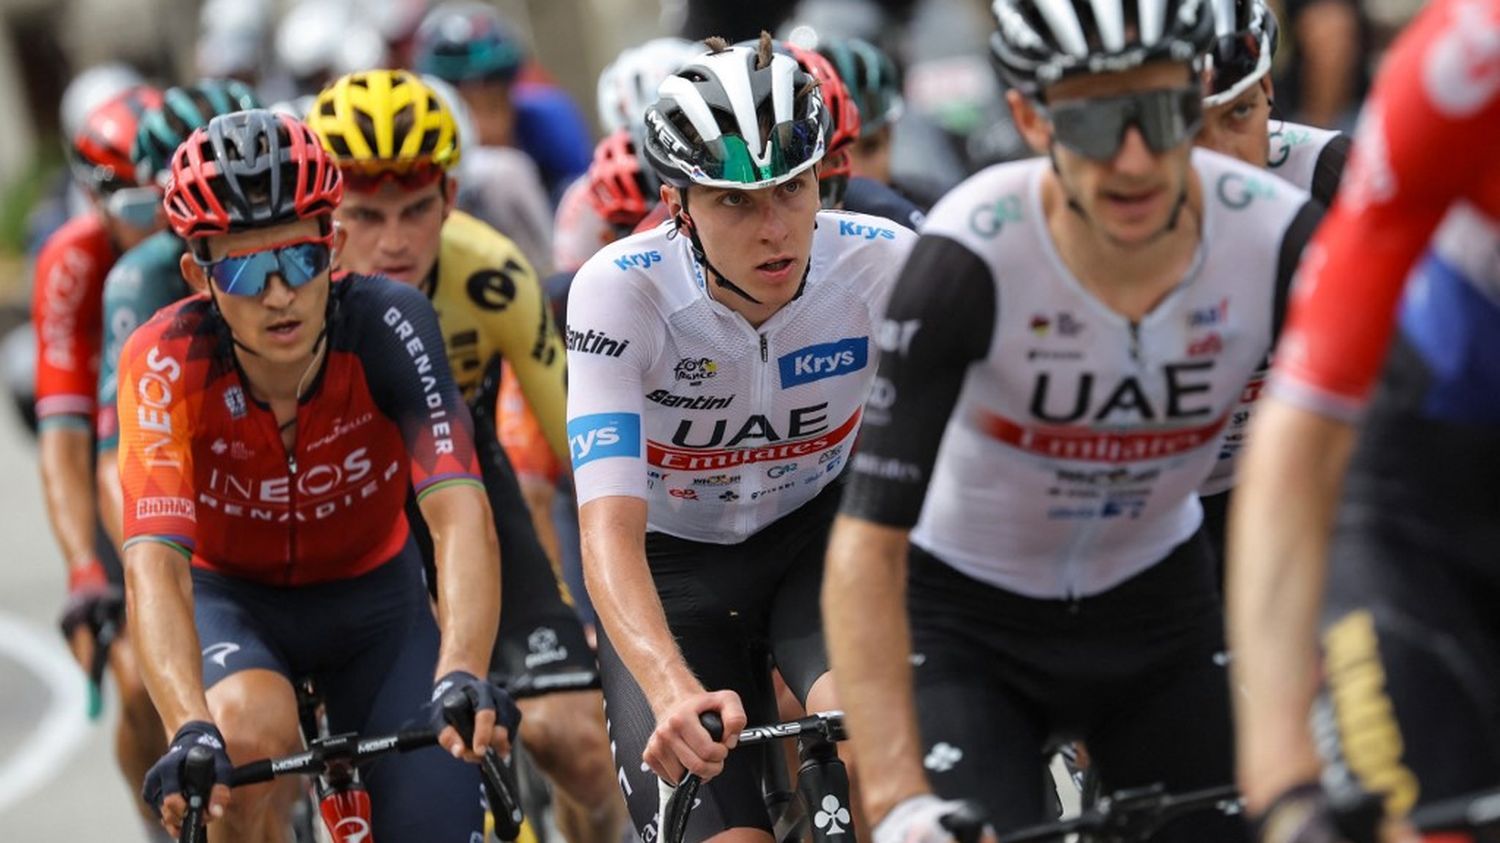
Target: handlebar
column 499, row 782
column 1128, row 816
column 104, row 621
column 829, row 725
column 197, row 783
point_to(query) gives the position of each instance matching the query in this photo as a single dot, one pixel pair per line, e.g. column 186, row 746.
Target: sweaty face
column 1131, row 197
column 393, row 231
column 760, row 239
column 282, row 323
column 1240, row 128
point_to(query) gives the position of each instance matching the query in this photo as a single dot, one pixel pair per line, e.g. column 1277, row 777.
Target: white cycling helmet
column 326, row 38
column 735, row 119
column 629, row 83
column 1245, row 37
column 91, row 89
column 232, row 37
column 1038, row 43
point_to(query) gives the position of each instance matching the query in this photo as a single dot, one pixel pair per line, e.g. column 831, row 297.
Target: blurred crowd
column 67, row 57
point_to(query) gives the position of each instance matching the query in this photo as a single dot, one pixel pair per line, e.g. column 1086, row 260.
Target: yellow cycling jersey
column 490, row 304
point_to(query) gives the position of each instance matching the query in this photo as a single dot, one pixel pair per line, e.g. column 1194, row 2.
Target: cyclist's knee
column 256, row 710
column 565, row 734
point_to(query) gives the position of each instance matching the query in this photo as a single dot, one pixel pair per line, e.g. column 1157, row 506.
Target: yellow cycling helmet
column 385, row 121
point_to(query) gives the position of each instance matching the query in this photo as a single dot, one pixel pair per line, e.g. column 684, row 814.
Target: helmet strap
column 686, row 222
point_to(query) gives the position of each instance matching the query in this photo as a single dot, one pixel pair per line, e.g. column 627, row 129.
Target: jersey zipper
column 762, row 405
column 291, row 502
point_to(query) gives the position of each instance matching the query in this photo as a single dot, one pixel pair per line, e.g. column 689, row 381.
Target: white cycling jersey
column 721, row 427
column 1072, row 440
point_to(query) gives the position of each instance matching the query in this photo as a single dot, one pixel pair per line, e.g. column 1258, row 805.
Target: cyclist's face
column 1241, row 128
column 761, row 239
column 1129, row 198
column 490, row 106
column 282, row 323
column 394, row 231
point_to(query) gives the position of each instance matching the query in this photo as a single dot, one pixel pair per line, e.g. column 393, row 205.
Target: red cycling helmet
column 100, row 153
column 838, row 166
column 247, row 170
column 620, row 189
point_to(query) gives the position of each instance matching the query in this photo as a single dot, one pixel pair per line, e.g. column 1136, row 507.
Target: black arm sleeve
column 1293, row 241
column 1329, row 169
column 941, row 318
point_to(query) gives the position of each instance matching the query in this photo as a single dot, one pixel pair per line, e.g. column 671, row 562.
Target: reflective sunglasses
column 1095, row 128
column 246, row 273
column 137, row 207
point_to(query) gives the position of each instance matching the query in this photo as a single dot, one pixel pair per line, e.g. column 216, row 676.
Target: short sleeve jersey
column 1038, row 440
column 66, row 308
column 203, row 466
column 144, row 280
column 490, row 306
column 720, row 426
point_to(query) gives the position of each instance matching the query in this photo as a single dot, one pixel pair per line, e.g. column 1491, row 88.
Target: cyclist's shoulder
column 157, row 259
column 653, row 265
column 989, row 207
column 859, row 247
column 1250, row 196
column 184, row 329
column 469, row 245
column 82, row 236
column 868, row 196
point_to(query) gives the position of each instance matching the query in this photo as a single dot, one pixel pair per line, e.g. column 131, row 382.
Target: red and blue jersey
column 203, row 465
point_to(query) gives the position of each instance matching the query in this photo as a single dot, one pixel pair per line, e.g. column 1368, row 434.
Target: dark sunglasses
column 367, row 177
column 1095, row 128
column 247, row 273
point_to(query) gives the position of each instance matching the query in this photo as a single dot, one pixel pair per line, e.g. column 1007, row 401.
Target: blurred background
column 56, row 767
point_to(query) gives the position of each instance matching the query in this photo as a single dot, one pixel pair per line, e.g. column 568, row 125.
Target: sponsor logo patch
column 825, row 360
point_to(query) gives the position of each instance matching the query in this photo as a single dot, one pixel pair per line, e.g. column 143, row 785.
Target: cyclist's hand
column 919, row 819
column 163, row 788
column 491, row 707
column 681, row 745
column 89, row 593
column 1303, row 814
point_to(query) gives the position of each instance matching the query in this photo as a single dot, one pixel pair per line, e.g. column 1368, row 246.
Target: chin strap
column 685, row 223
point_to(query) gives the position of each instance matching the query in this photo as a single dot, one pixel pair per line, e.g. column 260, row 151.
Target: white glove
column 917, row 820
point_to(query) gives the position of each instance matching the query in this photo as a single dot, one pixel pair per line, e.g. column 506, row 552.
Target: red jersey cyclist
column 270, row 427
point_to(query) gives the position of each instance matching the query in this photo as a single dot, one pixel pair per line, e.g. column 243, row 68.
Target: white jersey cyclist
column 1077, row 438
column 721, row 427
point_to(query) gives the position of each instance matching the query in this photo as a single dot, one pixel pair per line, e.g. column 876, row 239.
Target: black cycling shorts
column 539, row 631
column 1136, row 672
column 370, row 644
column 736, row 611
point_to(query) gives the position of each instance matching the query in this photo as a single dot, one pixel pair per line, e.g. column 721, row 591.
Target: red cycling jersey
column 1425, row 142
column 202, row 463
column 67, row 306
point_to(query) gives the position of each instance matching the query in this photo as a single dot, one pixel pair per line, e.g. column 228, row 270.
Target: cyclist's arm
column 605, row 431
column 156, row 470
column 407, row 371
column 1410, row 161
column 529, row 341
column 65, row 386
column 940, row 319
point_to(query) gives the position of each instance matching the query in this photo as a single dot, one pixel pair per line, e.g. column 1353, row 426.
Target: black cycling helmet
column 1245, row 37
column 184, row 109
column 1037, row 43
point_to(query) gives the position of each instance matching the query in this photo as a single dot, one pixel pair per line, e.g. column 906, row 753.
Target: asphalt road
column 58, row 779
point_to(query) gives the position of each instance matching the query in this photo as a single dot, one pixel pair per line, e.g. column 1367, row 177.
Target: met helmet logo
column 824, row 360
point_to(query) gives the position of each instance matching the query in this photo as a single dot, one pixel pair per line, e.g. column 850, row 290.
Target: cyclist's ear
column 193, row 273
column 340, row 236
column 450, row 194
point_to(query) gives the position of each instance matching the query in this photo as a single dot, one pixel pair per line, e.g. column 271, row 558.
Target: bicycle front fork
column 823, row 783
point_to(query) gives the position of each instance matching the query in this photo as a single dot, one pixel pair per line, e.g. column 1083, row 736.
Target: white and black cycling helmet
column 629, row 83
column 736, row 118
column 1038, row 43
column 1245, row 36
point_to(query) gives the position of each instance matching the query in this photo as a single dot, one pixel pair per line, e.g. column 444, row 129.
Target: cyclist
column 468, row 45
column 269, row 429
column 1237, row 121
column 396, row 144
column 148, row 277
column 66, row 315
column 1384, row 493
column 627, row 85
column 710, row 420
column 1074, row 332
